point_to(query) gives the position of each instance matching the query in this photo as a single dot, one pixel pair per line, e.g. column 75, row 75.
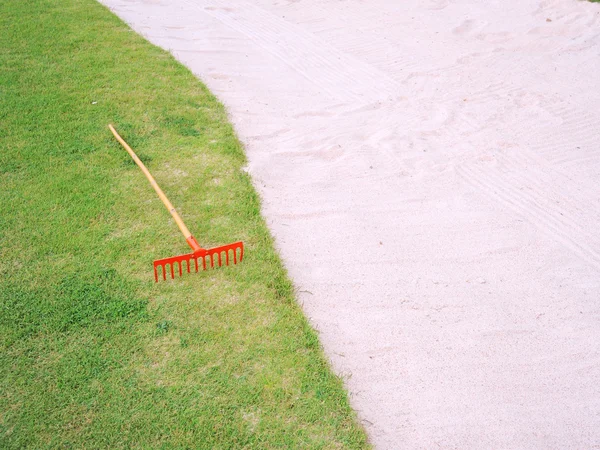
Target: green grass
column 93, row 354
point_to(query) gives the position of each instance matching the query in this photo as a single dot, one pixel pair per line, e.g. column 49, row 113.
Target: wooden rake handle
column 184, row 230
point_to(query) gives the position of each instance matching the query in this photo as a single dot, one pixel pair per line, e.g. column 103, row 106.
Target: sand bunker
column 430, row 171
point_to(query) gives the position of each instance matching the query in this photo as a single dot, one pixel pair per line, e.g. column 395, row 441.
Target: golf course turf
column 93, row 353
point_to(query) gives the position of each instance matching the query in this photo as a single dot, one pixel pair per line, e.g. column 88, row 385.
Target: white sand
column 430, row 170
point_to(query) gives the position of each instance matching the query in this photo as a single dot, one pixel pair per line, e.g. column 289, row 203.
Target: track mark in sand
column 469, row 27
column 436, row 5
column 534, row 195
column 576, row 139
column 340, row 75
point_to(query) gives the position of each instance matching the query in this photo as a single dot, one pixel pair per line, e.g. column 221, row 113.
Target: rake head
column 200, row 258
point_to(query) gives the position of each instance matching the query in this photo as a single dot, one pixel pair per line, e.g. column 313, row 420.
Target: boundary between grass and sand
column 93, row 354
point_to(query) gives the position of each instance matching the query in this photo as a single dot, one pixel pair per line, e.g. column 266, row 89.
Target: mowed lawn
column 93, row 353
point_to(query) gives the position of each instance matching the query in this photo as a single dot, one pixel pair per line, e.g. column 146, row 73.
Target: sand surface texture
column 431, row 172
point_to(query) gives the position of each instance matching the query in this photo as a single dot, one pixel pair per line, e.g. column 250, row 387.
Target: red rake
column 209, row 257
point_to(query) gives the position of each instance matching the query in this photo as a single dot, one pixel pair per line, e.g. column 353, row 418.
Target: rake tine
column 215, row 255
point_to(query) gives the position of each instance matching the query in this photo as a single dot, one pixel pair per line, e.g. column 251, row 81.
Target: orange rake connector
column 209, row 258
